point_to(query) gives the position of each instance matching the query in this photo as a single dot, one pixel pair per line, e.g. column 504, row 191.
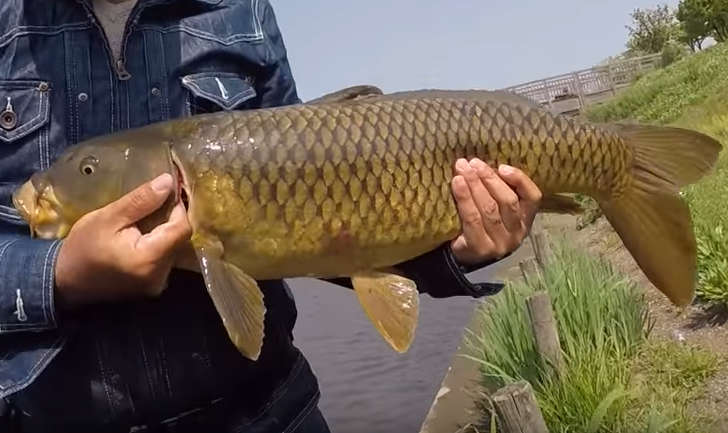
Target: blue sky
column 454, row 44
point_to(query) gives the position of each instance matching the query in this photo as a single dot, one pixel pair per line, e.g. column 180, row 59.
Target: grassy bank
column 692, row 93
column 616, row 379
column 620, row 377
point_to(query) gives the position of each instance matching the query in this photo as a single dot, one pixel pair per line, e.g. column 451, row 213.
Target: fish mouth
column 40, row 211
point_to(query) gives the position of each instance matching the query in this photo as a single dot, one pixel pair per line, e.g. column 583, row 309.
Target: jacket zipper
column 121, row 71
column 119, row 64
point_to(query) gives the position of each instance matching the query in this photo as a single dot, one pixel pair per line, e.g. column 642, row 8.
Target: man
column 93, row 335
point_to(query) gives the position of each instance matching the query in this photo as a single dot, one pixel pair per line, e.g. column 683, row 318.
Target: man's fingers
column 165, row 238
column 487, row 206
column 507, row 201
column 141, row 202
column 471, row 220
column 526, row 189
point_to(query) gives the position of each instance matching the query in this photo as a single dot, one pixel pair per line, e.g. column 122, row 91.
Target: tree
column 718, row 19
column 695, row 22
column 652, row 29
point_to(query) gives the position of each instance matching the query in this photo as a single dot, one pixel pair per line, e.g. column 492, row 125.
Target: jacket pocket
column 217, row 91
column 24, row 131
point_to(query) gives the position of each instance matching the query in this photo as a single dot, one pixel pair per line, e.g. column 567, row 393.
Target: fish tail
column 651, row 218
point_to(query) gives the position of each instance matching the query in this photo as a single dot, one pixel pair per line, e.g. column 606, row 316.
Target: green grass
column 691, row 93
column 665, row 95
column 616, row 380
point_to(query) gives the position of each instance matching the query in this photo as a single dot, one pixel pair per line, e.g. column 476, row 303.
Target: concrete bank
column 454, row 404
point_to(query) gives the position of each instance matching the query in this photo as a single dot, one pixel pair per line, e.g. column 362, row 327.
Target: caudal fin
column 650, row 217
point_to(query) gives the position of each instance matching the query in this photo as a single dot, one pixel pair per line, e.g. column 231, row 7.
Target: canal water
column 366, row 386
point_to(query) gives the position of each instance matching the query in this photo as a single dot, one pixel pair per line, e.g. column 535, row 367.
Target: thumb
column 142, row 201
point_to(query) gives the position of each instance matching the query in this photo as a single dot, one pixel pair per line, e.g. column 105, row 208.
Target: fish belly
column 335, row 224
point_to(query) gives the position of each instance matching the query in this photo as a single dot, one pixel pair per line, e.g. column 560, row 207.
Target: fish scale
column 356, row 182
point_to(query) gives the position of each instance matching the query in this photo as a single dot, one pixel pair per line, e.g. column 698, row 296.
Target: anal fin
column 238, row 300
column 392, row 304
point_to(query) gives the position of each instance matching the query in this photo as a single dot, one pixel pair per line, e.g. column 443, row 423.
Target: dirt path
column 697, row 325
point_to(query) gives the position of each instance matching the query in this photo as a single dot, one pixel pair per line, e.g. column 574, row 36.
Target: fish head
column 87, row 177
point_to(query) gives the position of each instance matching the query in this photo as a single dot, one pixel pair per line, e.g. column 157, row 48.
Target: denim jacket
column 58, row 86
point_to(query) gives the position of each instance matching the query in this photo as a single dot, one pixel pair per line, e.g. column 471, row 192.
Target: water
column 366, row 386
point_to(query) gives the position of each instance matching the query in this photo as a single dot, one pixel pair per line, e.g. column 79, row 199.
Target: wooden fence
column 515, row 404
column 572, row 92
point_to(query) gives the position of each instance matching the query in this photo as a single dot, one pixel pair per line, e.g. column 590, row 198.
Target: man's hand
column 495, row 218
column 105, row 257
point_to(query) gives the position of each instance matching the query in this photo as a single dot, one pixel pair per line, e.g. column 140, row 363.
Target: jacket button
column 82, row 97
column 8, row 120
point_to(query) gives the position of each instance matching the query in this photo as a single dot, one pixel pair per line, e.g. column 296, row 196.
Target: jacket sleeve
column 27, row 279
column 439, row 274
column 436, row 273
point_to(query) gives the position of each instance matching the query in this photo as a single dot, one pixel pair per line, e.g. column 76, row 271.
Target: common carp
column 356, row 182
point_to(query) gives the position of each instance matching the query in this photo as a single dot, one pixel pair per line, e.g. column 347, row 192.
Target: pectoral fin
column 392, row 304
column 238, row 299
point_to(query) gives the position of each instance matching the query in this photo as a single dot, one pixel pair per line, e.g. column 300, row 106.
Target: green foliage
column 598, row 312
column 713, row 272
column 693, row 16
column 717, row 16
column 666, row 94
column 603, row 326
column 672, row 52
column 652, row 30
column 700, row 19
column 711, row 229
column 667, row 378
column 709, row 209
column 592, row 212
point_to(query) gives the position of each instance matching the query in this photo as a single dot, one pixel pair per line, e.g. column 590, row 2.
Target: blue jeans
column 292, row 408
column 314, row 422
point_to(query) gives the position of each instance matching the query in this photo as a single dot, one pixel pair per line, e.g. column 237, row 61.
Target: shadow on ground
column 708, row 317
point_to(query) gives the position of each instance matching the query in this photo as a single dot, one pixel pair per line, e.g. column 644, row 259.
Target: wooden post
column 545, row 332
column 540, row 244
column 529, row 269
column 517, row 409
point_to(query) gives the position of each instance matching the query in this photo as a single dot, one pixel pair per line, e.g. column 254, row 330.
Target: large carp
column 352, row 184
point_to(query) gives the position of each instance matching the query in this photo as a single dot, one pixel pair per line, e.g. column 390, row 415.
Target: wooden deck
column 570, row 93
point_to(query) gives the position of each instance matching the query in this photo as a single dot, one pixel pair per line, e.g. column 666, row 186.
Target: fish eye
column 88, row 165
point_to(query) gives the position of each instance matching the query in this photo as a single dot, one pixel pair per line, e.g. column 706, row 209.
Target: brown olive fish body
column 331, row 190
column 350, row 187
